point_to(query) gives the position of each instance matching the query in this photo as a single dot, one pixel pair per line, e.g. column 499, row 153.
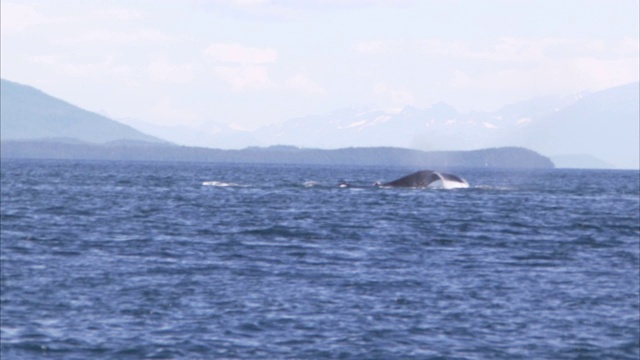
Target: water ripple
column 130, row 260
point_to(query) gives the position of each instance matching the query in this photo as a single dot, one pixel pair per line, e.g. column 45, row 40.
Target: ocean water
column 127, row 260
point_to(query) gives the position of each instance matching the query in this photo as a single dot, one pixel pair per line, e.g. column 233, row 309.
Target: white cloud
column 533, row 67
column 504, row 49
column 100, row 70
column 242, row 67
column 303, row 83
column 246, row 77
column 43, row 59
column 97, row 70
column 523, row 121
column 16, row 17
column 563, row 76
column 292, row 9
column 239, row 54
column 163, row 71
column 118, row 14
column 522, row 67
column 376, row 46
column 249, row 2
column 118, row 37
column 393, row 97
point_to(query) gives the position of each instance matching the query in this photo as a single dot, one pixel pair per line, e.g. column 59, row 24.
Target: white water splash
column 221, row 184
column 311, row 183
column 448, row 184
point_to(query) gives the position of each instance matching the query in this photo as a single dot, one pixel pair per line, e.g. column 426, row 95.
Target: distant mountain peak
column 549, row 124
column 27, row 113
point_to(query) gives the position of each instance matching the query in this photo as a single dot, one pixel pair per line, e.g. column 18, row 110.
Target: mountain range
column 596, row 130
column 592, row 130
column 27, row 113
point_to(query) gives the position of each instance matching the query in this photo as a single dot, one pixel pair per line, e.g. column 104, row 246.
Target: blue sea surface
column 142, row 260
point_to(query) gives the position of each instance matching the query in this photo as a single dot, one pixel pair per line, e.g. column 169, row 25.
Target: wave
column 311, row 183
column 493, row 187
column 221, row 184
column 449, row 184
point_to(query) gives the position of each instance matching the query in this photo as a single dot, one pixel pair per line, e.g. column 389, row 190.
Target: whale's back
column 417, row 179
column 425, row 178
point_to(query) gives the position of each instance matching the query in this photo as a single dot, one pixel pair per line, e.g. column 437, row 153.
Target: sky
column 250, row 63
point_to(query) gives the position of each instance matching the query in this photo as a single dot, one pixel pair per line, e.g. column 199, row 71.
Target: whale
column 421, row 179
column 424, row 178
